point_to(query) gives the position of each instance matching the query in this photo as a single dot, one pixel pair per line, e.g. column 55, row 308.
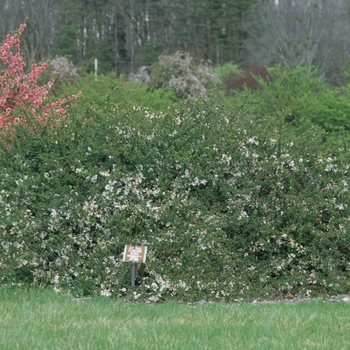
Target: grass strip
column 44, row 320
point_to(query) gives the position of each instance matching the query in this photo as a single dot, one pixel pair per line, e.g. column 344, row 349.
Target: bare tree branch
column 309, row 32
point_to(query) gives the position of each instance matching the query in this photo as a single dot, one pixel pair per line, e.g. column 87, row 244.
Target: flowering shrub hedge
column 229, row 202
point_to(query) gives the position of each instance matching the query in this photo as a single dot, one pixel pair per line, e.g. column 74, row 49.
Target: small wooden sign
column 136, row 254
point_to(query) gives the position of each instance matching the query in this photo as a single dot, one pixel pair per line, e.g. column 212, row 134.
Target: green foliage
column 306, row 99
column 110, row 89
column 230, row 203
column 65, row 39
column 225, row 70
column 149, row 52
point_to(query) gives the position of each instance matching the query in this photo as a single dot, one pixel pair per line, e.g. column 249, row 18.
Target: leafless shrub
column 63, row 67
column 179, row 73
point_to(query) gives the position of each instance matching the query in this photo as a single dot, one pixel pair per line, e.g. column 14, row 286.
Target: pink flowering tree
column 20, row 96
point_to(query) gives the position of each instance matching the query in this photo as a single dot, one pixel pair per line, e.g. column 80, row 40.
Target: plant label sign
column 135, row 254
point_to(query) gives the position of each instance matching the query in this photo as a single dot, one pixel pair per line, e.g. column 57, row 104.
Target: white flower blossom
column 243, row 215
column 105, row 173
column 252, row 140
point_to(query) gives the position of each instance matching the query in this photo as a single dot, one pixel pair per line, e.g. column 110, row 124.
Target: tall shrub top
column 19, row 90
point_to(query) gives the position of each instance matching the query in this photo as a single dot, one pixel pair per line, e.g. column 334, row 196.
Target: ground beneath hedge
column 292, row 299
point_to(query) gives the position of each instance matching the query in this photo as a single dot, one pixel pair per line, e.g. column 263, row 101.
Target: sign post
column 133, row 274
column 96, row 62
column 134, row 254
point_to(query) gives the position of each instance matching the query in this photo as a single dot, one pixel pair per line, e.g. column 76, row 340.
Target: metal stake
column 133, row 273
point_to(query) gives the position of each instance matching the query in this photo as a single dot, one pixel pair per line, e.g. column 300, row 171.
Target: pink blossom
column 20, row 90
column 61, row 111
column 21, row 28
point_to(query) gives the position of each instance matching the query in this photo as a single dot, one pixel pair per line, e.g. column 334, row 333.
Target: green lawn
column 44, row 320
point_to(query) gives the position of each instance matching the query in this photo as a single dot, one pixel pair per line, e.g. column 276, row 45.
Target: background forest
column 127, row 34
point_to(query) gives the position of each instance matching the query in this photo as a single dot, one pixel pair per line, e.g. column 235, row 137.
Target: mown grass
column 44, row 320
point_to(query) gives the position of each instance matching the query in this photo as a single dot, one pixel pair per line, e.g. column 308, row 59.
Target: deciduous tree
column 311, row 33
